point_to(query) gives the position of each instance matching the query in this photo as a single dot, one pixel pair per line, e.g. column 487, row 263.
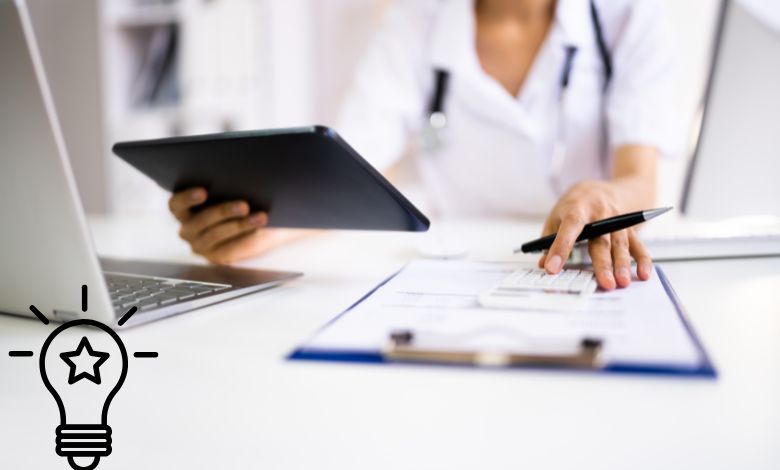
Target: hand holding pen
column 612, row 242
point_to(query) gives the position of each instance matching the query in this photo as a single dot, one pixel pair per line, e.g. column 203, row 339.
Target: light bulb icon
column 83, row 364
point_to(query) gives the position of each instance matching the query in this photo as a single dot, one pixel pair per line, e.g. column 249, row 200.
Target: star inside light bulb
column 83, row 368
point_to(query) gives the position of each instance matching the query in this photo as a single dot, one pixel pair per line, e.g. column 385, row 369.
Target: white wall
column 341, row 33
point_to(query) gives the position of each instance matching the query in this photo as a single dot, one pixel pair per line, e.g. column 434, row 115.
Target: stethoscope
column 432, row 135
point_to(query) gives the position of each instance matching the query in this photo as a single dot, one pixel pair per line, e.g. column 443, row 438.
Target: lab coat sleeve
column 386, row 99
column 640, row 101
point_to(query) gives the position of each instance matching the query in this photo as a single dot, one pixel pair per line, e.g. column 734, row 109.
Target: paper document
column 639, row 325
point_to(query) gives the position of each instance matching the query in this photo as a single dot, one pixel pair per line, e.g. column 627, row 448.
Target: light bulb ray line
column 38, row 314
column 145, row 354
column 83, row 297
column 127, row 315
column 20, row 353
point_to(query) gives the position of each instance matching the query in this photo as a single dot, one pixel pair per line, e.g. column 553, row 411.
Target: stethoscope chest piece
column 432, row 136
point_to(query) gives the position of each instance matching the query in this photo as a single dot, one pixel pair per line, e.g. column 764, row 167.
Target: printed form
column 438, row 301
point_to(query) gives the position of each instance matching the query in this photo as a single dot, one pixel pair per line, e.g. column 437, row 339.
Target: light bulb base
column 83, row 440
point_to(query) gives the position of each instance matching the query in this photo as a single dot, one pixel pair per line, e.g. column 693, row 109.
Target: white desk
column 221, row 394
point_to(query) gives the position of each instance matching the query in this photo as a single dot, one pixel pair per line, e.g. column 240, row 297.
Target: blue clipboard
column 704, row 369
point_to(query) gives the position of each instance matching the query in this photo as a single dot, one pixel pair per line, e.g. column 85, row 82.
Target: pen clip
column 400, row 347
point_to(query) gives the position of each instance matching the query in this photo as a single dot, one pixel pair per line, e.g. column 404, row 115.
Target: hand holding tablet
column 304, row 177
column 229, row 186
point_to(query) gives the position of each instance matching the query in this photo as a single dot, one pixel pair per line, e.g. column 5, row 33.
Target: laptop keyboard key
column 185, row 296
column 147, row 306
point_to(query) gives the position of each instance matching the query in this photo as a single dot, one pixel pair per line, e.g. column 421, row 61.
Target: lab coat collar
column 570, row 28
column 452, row 48
column 572, row 18
column 453, row 36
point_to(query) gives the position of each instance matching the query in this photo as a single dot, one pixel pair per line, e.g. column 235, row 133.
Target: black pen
column 597, row 228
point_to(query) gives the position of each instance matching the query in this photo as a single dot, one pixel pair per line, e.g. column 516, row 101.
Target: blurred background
column 136, row 69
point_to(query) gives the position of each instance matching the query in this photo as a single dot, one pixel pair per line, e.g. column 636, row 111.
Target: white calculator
column 534, row 289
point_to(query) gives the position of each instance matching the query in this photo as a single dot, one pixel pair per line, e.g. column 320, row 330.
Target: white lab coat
column 496, row 156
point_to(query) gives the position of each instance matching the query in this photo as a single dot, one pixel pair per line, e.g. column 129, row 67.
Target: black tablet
column 304, row 177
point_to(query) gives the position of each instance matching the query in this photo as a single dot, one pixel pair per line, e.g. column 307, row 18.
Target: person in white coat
column 510, row 107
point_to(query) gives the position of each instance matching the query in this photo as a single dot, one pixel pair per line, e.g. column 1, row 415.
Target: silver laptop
column 731, row 199
column 734, row 170
column 46, row 254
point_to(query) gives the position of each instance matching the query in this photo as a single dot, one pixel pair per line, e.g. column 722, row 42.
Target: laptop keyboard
column 147, row 293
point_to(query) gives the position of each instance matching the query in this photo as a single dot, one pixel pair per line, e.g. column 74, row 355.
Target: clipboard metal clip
column 400, row 347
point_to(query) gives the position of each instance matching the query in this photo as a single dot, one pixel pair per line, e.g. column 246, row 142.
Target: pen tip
column 652, row 213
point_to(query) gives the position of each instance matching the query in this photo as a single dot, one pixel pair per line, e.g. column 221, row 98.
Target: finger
column 181, row 202
column 569, row 230
column 644, row 264
column 225, row 232
column 203, row 220
column 601, row 256
column 621, row 259
column 550, row 226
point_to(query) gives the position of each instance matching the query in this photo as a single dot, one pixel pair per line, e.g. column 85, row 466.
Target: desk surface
column 221, row 394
